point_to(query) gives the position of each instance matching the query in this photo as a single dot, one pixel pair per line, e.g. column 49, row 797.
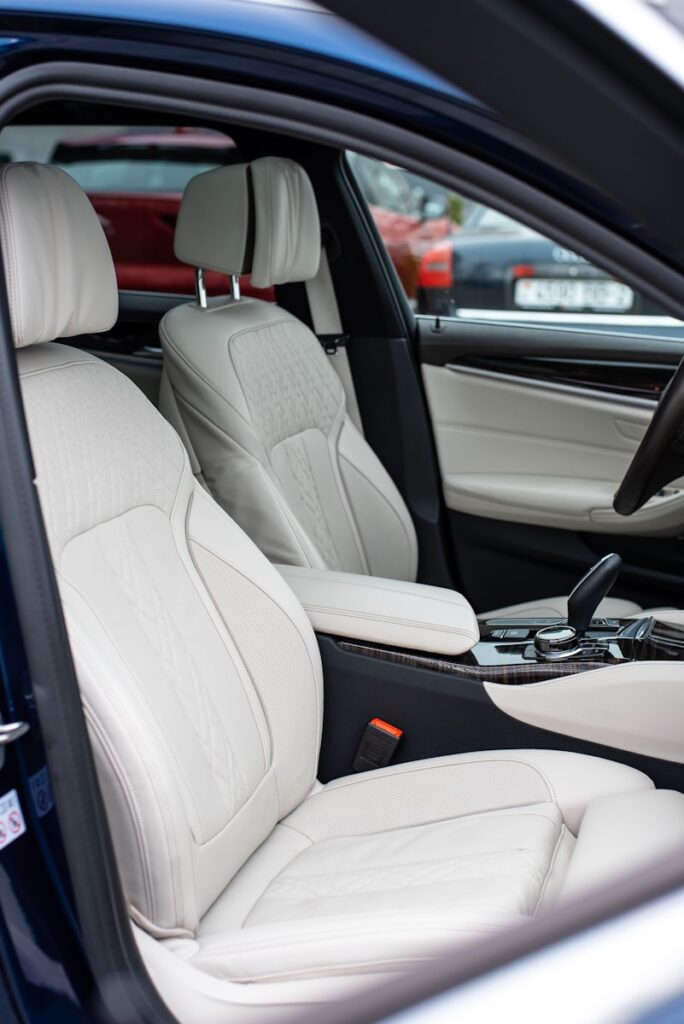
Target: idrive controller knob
column 556, row 641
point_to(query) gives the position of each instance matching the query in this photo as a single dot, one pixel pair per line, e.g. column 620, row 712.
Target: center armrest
column 384, row 611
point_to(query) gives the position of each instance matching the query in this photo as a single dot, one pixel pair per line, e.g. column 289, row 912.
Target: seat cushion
column 376, row 871
column 497, row 860
column 552, row 607
column 391, row 899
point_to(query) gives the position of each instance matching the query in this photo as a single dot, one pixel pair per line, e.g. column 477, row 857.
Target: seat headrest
column 259, row 217
column 58, row 266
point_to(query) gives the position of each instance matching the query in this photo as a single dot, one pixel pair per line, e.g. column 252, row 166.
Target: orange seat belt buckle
column 378, row 745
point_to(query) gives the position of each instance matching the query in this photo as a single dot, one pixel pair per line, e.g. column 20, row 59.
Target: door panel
column 534, row 428
column 531, row 451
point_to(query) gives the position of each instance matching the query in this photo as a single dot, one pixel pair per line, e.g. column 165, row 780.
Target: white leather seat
column 253, row 889
column 250, row 390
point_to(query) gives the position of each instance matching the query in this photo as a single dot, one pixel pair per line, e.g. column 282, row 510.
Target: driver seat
column 254, row 890
column 249, row 388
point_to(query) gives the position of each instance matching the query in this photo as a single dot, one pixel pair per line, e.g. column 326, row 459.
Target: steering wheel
column 659, row 459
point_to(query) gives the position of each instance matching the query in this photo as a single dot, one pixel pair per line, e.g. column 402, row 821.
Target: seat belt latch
column 333, row 342
column 377, row 746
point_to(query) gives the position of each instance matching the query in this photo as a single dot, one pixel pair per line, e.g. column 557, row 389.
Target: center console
column 530, row 649
column 436, row 629
column 581, row 643
column 431, row 628
column 508, row 650
column 419, row 659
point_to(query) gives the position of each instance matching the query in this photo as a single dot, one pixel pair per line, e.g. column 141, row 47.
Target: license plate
column 554, row 293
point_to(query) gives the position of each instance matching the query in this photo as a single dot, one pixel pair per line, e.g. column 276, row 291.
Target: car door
column 535, row 425
column 509, row 456
column 541, row 372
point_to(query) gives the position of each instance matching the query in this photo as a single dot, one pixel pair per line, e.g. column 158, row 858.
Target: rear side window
column 135, row 178
column 121, row 174
column 460, row 259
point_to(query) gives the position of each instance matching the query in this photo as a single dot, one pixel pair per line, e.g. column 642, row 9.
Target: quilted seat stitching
column 285, row 390
column 402, row 877
column 178, row 665
column 302, row 472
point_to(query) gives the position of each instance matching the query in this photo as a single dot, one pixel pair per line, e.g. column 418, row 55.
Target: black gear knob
column 590, row 591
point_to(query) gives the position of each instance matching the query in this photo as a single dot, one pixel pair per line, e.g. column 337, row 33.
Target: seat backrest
column 199, row 671
column 259, row 401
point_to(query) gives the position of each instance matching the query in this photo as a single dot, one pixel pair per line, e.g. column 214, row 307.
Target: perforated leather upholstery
column 201, row 685
column 265, row 414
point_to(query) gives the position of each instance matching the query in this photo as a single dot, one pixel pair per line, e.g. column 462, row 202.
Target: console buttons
column 516, row 634
column 509, row 634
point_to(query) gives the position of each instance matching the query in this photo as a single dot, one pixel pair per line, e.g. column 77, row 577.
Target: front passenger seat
column 251, row 391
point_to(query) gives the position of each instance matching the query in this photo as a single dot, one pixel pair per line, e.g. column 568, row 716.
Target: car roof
column 295, row 24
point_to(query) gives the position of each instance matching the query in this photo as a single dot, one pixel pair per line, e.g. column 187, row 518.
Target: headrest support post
column 200, row 288
column 235, row 287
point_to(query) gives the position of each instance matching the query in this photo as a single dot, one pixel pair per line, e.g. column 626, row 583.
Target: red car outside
column 135, row 181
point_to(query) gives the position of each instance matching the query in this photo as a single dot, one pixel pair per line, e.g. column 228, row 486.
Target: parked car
column 410, row 213
column 135, row 181
column 494, row 262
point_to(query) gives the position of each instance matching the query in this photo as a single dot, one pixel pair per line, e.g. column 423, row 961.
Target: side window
column 456, row 258
column 135, row 179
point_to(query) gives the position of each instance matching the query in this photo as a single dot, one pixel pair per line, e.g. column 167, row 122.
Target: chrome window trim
column 581, row 321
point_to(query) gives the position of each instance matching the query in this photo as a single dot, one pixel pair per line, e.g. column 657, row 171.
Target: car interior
column 371, row 666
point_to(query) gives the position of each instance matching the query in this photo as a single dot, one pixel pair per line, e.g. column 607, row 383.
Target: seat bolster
column 283, row 661
column 462, row 784
column 382, row 519
column 209, row 527
column 201, row 998
column 622, row 834
column 380, row 941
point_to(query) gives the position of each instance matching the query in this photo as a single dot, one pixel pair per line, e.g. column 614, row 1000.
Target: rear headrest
column 260, row 217
column 58, row 266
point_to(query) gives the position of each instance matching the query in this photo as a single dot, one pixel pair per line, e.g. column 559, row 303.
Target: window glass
column 456, row 258
column 123, row 175
column 135, row 179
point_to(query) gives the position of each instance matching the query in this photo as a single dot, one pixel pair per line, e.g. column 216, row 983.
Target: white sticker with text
column 12, row 824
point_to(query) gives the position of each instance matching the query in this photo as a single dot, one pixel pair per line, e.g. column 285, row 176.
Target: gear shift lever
column 590, row 590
